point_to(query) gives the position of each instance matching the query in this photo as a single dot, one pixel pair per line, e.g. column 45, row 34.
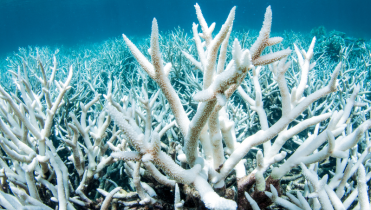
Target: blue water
column 71, row 22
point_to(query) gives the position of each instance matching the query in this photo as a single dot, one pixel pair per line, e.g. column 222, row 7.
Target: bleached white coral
column 186, row 130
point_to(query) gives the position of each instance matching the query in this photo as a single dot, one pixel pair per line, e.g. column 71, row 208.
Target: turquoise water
column 71, row 22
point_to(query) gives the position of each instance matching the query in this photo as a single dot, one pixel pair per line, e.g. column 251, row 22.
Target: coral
column 336, row 45
column 318, row 32
column 174, row 125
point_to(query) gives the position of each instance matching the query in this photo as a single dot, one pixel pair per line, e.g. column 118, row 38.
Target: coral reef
column 218, row 121
column 336, row 43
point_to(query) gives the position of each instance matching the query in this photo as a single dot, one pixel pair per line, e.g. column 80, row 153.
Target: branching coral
column 187, row 135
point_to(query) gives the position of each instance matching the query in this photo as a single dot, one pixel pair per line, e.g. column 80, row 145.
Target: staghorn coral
column 180, row 139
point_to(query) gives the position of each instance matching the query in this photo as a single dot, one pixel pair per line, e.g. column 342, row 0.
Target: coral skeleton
column 73, row 137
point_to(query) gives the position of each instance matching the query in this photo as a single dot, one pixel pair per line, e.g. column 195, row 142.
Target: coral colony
column 186, row 124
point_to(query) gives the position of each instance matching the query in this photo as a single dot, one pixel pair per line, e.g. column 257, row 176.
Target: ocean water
column 72, row 22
